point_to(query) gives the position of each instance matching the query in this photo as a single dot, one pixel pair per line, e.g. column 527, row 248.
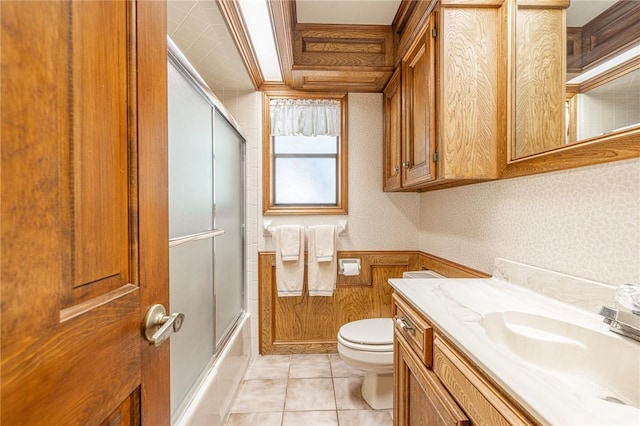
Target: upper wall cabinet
column 576, row 84
column 419, row 117
column 392, row 134
column 453, row 117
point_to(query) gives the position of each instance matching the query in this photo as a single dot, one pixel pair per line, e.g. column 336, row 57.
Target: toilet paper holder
column 348, row 264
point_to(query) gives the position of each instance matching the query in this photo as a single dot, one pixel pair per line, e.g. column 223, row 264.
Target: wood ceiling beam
column 283, row 17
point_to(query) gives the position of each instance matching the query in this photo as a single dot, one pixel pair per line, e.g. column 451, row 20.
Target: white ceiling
column 199, row 31
column 582, row 11
column 358, row 12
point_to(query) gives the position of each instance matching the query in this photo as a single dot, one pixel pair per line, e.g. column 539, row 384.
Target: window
column 304, row 154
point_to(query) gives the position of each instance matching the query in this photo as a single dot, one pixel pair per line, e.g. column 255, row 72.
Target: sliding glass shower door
column 206, row 229
column 229, row 215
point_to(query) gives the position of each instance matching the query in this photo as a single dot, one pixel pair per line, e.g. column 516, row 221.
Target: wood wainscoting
column 304, row 324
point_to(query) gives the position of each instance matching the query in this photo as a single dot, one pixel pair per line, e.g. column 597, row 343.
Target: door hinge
column 434, row 32
column 435, row 157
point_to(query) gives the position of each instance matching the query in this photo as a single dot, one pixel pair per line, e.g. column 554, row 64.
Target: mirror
column 603, row 75
column 574, row 85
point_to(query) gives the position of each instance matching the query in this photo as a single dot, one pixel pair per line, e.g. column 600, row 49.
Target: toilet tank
column 421, row 274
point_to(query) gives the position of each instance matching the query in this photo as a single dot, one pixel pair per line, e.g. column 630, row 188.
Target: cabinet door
column 392, row 134
column 420, row 399
column 418, row 83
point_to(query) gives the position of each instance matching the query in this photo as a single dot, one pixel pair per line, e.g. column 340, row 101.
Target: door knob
column 158, row 326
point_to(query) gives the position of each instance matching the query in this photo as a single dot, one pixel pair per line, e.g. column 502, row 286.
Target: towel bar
column 268, row 229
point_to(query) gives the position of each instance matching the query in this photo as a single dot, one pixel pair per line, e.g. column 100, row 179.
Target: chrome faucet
column 622, row 322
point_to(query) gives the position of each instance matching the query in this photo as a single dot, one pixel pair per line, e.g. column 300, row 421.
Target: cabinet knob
column 405, row 164
column 396, row 169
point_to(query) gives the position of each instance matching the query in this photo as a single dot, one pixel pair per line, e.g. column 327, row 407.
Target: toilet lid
column 372, row 331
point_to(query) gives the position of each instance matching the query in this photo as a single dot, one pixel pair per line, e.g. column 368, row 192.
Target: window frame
column 268, row 206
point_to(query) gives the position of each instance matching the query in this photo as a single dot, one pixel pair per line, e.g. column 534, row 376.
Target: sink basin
column 592, row 361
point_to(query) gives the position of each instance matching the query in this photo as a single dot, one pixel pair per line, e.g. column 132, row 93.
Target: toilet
column 368, row 346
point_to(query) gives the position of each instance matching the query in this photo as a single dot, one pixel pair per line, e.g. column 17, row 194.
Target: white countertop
column 456, row 307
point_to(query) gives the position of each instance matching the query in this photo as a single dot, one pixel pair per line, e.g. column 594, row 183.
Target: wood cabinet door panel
column 419, row 115
column 539, row 89
column 420, row 399
column 392, row 133
column 469, row 92
column 78, row 272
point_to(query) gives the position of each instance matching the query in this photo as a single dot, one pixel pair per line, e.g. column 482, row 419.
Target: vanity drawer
column 416, row 331
column 482, row 402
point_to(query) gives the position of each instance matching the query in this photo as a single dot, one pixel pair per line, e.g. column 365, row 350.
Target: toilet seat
column 372, row 335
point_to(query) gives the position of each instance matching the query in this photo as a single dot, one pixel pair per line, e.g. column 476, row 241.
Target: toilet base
column 377, row 390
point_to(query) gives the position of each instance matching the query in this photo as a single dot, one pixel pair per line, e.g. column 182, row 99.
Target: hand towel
column 289, row 274
column 290, row 242
column 321, row 277
column 325, row 242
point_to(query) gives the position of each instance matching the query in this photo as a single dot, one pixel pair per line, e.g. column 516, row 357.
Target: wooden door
column 84, row 233
column 419, row 115
column 392, row 113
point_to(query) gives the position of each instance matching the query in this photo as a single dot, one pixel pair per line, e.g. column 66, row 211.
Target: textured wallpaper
column 376, row 220
column 583, row 222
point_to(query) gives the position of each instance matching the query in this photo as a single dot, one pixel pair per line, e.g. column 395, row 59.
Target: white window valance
column 306, row 117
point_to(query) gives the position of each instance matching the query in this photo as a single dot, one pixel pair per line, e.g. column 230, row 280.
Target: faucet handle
column 609, row 314
column 628, row 295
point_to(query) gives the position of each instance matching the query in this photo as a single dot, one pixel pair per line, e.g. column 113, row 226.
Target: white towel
column 321, row 277
column 325, row 242
column 289, row 274
column 290, row 237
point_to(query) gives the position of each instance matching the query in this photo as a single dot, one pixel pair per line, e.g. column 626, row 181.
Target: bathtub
column 211, row 399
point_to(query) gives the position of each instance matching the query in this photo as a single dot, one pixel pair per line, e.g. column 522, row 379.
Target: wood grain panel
column 616, row 29
column 420, row 398
column 98, row 144
column 34, row 104
column 483, row 403
column 621, row 146
column 343, row 45
column 126, row 413
column 469, row 128
column 448, row 268
column 70, row 134
column 420, row 338
column 348, row 79
column 310, row 324
column 68, row 392
column 419, row 112
column 307, row 324
column 392, row 114
column 410, row 25
column 539, row 84
column 153, row 199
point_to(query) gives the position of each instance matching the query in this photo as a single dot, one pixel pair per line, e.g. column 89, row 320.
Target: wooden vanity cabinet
column 453, row 98
column 419, row 398
column 435, row 384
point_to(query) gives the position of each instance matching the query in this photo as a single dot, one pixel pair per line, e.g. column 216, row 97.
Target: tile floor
column 303, row 390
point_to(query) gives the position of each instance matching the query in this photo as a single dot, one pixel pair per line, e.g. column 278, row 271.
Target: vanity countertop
column 457, row 308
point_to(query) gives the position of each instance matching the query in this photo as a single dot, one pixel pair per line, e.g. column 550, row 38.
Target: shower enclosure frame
column 182, row 65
